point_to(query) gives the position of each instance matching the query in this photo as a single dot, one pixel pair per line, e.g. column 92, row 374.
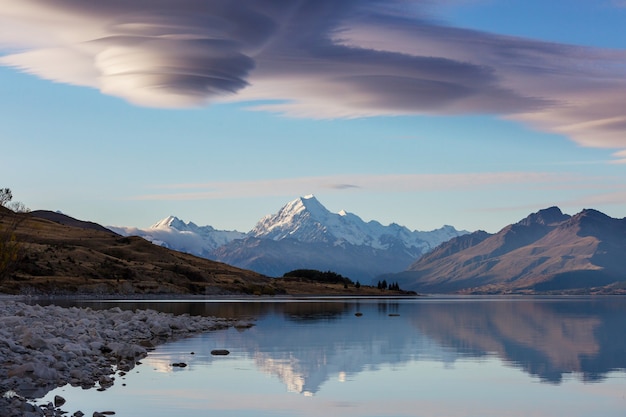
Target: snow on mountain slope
column 307, row 220
column 303, row 234
column 173, row 233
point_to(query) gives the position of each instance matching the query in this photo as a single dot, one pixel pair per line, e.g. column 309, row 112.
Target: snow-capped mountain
column 303, row 234
column 307, row 220
column 174, row 233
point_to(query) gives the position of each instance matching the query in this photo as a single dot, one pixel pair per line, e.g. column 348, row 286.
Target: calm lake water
column 418, row 357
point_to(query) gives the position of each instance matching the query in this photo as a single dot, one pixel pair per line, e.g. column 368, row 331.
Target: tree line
column 383, row 285
column 328, row 277
column 331, row 277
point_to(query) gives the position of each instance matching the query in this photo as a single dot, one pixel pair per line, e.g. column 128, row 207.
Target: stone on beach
column 42, row 348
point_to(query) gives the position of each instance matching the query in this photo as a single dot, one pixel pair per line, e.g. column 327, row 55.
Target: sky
column 470, row 113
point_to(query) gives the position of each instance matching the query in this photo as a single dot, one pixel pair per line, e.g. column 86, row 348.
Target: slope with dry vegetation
column 67, row 256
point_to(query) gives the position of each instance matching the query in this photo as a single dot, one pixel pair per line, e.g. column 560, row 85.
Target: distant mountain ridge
column 547, row 251
column 302, row 234
column 174, row 233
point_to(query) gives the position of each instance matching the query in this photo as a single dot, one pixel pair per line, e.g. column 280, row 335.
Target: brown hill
column 546, row 252
column 67, row 220
column 57, row 254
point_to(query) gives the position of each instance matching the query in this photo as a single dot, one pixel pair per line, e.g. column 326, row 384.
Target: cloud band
column 317, row 58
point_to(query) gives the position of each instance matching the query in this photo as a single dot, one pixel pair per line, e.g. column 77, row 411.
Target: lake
column 429, row 356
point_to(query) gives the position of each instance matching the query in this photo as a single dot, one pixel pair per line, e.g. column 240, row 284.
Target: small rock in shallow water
column 106, row 381
column 179, row 364
column 58, row 401
column 243, row 325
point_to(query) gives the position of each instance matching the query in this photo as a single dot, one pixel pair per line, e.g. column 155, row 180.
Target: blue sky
column 470, row 113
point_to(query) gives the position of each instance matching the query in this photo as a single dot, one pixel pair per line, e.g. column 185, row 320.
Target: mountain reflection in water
column 304, row 342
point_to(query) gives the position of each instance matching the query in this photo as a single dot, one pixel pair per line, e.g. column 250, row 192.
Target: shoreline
column 172, row 298
column 43, row 348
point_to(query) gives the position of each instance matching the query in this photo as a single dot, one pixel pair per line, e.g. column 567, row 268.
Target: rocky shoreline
column 42, row 348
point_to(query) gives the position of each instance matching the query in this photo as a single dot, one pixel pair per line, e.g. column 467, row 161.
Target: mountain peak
column 548, row 216
column 303, row 215
column 169, row 222
column 312, row 205
column 303, row 206
column 593, row 213
column 595, row 223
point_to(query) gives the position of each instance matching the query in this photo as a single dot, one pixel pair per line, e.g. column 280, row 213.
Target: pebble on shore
column 42, row 348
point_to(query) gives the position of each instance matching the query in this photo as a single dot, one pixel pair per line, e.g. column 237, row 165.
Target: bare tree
column 18, row 207
column 5, row 196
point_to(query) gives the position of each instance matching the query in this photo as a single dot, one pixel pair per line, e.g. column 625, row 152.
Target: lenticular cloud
column 153, row 53
column 317, row 59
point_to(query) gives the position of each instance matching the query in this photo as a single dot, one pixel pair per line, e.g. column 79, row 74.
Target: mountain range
column 303, row 234
column 548, row 251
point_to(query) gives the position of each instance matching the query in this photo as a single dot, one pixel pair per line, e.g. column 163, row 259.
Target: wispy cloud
column 620, row 157
column 592, row 200
column 343, row 186
column 318, row 59
column 356, row 183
